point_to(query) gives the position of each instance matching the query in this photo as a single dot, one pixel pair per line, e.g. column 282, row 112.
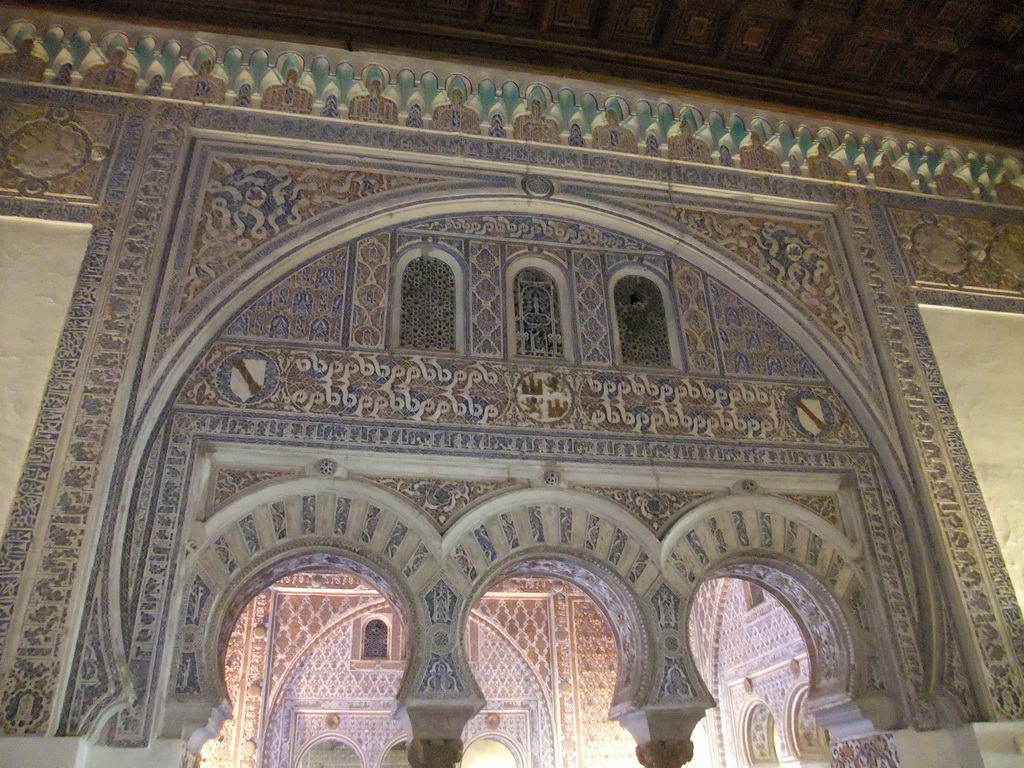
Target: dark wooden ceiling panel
column 576, row 15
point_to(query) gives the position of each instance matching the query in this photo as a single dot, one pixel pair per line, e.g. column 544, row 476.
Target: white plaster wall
column 39, row 264
column 981, row 357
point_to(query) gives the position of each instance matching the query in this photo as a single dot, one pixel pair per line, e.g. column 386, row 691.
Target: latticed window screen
column 375, row 640
column 643, row 331
column 427, row 319
column 538, row 322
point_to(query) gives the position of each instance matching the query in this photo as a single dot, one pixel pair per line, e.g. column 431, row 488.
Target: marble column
column 435, row 753
column 435, row 730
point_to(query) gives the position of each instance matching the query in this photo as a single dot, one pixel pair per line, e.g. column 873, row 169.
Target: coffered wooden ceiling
column 943, row 65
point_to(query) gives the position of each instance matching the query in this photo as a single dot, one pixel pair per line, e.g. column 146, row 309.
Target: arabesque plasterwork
column 962, row 253
column 379, row 89
column 350, row 388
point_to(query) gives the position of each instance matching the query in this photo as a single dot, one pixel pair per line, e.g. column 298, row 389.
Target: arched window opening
column 427, row 319
column 488, row 753
column 396, row 757
column 375, row 639
column 538, row 315
column 331, row 753
column 643, row 329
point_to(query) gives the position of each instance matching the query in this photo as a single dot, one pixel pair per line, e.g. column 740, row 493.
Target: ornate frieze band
column 135, row 63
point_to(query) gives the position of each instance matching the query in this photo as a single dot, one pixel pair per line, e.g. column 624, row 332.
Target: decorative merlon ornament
column 679, row 132
column 665, row 753
column 757, row 157
column 26, row 62
column 534, row 125
column 821, row 166
column 889, row 176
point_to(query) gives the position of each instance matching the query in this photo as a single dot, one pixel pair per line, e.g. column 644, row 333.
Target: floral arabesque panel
column 962, row 253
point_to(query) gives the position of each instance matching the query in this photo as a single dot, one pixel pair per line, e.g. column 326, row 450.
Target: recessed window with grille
column 643, row 330
column 538, row 319
column 375, row 639
column 427, row 319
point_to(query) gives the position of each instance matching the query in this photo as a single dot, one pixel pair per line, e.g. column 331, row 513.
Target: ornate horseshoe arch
column 813, row 570
column 602, row 550
column 250, row 545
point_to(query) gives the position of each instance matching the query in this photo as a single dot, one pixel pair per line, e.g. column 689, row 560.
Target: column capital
column 665, row 753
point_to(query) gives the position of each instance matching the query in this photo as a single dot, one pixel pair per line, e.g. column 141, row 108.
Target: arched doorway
column 752, row 654
column 313, row 667
column 331, row 752
column 553, row 647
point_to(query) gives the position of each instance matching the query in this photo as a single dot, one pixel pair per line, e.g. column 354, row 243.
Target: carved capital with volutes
column 665, row 753
column 435, row 753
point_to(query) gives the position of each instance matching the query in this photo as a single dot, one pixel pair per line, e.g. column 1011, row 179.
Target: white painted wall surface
column 39, row 264
column 981, row 357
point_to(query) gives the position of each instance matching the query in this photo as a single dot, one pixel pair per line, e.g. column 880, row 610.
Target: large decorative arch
column 280, row 256
column 284, row 254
